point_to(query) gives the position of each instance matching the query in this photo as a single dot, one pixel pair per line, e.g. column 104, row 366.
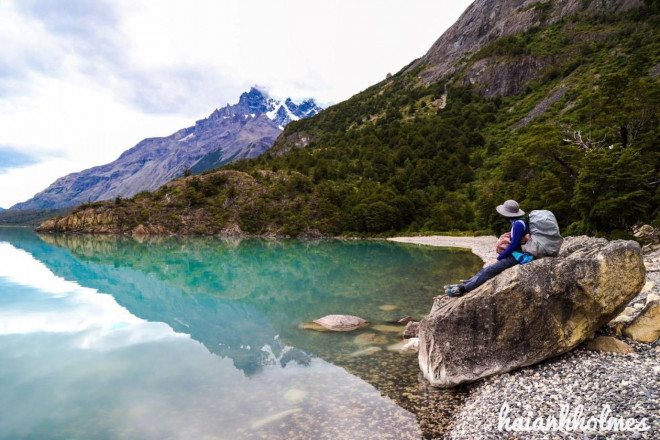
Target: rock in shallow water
column 341, row 323
column 411, row 346
column 370, row 338
column 411, row 330
column 365, row 351
column 529, row 313
column 405, row 320
column 388, row 328
column 312, row 326
column 388, row 307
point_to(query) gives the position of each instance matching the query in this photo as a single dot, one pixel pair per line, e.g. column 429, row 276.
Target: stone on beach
column 652, row 297
column 609, row 344
column 648, row 286
column 645, row 327
column 341, row 323
column 530, row 313
column 621, row 320
column 648, row 234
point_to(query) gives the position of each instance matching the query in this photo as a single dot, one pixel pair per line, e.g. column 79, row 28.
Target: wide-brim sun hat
column 510, row 208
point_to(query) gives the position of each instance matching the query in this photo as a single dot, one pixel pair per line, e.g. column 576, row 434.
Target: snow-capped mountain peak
column 230, row 133
column 283, row 112
column 254, row 103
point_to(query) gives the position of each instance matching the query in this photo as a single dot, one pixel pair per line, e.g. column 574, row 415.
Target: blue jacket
column 518, row 231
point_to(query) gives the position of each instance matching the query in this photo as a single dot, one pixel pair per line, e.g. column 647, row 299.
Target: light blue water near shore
column 110, row 337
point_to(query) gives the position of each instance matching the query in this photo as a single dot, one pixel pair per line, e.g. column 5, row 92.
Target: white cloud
column 91, row 78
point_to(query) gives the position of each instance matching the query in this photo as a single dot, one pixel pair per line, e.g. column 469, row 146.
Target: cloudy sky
column 83, row 80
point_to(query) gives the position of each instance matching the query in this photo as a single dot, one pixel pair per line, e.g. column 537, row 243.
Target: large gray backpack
column 544, row 230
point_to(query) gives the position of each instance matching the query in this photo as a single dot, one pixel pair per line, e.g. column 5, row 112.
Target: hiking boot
column 453, row 290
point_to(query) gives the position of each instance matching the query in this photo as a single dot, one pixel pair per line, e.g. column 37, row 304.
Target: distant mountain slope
column 239, row 131
column 29, row 217
column 563, row 114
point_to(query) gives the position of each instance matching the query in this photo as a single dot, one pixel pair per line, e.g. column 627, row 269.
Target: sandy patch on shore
column 482, row 246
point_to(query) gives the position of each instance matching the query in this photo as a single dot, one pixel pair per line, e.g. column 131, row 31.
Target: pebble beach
column 593, row 394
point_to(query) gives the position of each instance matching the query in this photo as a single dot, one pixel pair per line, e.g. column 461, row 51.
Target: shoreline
column 482, row 246
column 625, row 384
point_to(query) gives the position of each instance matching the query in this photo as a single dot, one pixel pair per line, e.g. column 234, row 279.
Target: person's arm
column 517, row 232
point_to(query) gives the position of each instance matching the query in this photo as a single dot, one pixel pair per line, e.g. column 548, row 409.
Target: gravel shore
column 483, row 246
column 598, row 385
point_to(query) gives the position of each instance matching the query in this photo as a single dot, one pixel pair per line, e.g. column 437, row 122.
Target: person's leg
column 487, row 273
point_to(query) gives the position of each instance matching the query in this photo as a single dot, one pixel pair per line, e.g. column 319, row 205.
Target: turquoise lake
column 105, row 337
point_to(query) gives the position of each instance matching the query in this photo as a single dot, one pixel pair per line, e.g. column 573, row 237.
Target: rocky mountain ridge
column 485, row 21
column 238, row 131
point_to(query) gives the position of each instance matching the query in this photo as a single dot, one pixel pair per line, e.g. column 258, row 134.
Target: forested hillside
column 562, row 116
column 392, row 158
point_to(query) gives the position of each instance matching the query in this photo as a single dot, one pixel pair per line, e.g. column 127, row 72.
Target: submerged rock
column 366, row 351
column 405, row 320
column 529, row 313
column 341, row 323
column 370, row 338
column 388, row 307
column 312, row 326
column 388, row 328
column 411, row 346
column 397, row 346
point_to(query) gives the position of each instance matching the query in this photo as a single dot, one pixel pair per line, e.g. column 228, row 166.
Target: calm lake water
column 197, row 338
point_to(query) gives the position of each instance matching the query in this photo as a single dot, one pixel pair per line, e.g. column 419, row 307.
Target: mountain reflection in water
column 244, row 299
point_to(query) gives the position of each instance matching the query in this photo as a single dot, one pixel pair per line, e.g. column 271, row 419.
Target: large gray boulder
column 529, row 313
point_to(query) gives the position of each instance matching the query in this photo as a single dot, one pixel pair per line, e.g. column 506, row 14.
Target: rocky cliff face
column 484, row 21
column 239, row 131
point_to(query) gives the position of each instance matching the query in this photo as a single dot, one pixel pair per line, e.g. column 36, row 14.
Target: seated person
column 509, row 257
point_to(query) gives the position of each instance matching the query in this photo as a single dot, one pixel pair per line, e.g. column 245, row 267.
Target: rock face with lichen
column 530, row 313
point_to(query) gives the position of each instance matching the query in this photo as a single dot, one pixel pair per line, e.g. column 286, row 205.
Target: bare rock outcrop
column 88, row 220
column 530, row 313
column 484, row 21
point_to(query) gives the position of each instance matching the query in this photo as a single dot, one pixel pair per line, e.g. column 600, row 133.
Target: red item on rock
column 505, row 240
